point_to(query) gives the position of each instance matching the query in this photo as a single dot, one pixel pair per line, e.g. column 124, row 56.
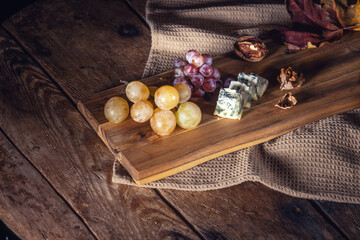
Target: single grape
column 179, row 63
column 206, row 70
column 179, row 80
column 219, row 84
column 190, row 70
column 179, row 72
column 197, row 80
column 184, row 92
column 209, row 84
column 188, row 115
column 166, row 97
column 190, row 54
column 136, row 91
column 116, row 109
column 216, row 74
column 198, row 60
column 163, row 122
column 141, row 111
column 208, row 59
column 198, row 92
column 228, row 81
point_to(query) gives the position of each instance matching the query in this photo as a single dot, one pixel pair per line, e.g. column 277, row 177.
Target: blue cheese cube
column 229, row 104
column 244, row 90
column 256, row 84
column 251, row 82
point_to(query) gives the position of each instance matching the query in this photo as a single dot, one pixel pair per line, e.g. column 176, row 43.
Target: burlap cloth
column 318, row 161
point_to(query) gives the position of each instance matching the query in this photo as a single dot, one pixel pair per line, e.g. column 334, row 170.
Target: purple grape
column 179, row 72
column 209, row 84
column 216, row 74
column 208, row 59
column 198, row 60
column 197, row 80
column 198, row 92
column 179, row 80
column 190, row 70
column 179, row 63
column 190, row 54
column 228, row 81
column 206, row 70
column 219, row 83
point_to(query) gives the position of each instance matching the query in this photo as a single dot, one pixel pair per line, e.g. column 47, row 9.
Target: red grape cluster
column 197, row 72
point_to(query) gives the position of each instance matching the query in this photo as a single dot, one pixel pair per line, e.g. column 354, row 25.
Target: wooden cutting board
column 332, row 86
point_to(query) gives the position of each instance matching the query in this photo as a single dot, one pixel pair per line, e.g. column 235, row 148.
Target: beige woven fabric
column 318, row 161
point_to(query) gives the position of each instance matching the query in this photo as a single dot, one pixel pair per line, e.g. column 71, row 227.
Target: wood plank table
column 55, row 178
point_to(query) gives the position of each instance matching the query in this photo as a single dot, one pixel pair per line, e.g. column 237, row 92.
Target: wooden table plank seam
column 176, row 199
column 70, row 99
column 141, row 17
column 318, row 206
column 48, row 182
column 180, row 229
column 46, row 73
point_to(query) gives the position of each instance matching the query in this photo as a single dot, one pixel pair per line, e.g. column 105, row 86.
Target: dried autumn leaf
column 351, row 16
column 318, row 23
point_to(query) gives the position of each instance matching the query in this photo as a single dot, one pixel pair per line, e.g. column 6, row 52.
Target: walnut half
column 250, row 48
column 287, row 101
column 289, row 79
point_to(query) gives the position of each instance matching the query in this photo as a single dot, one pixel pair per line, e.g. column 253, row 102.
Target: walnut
column 250, row 48
column 287, row 101
column 289, row 79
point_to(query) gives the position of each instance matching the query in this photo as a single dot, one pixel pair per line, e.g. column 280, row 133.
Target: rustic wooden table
column 55, row 178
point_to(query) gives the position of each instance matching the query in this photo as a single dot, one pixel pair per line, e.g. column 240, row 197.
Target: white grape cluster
column 168, row 99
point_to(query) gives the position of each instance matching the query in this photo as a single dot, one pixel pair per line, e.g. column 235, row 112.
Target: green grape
column 188, row 115
column 116, row 109
column 166, row 97
column 137, row 91
column 163, row 122
column 184, row 92
column 141, row 111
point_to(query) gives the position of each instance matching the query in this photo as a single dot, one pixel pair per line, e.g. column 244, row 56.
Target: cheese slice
column 244, row 90
column 229, row 104
column 262, row 85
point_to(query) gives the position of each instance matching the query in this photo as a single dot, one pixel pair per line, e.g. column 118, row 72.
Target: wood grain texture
column 87, row 46
column 27, row 201
column 53, row 135
column 345, row 216
column 330, row 88
column 247, row 212
column 247, row 194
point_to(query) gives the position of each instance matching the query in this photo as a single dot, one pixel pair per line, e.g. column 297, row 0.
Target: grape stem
column 124, row 82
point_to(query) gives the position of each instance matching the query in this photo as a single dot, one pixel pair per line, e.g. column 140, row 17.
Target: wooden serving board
column 332, row 86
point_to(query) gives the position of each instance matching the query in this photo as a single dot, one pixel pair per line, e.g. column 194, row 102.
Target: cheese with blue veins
column 244, row 90
column 229, row 104
column 256, row 84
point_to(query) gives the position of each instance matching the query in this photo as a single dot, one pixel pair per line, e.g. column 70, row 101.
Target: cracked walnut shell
column 287, row 101
column 250, row 48
column 289, row 79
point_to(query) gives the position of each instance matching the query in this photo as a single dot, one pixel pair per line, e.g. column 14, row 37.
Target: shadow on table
column 6, row 234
